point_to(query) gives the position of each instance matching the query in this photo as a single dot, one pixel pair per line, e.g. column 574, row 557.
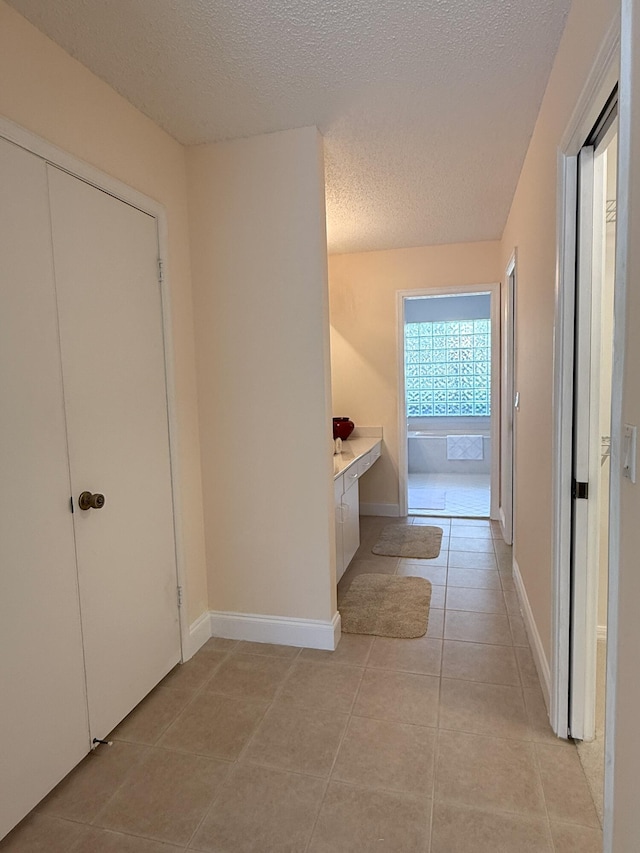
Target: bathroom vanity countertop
column 355, row 447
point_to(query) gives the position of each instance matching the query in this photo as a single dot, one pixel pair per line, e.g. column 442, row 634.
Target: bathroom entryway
column 453, row 495
column 449, row 340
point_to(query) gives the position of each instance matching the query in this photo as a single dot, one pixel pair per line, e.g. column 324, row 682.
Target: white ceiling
column 426, row 106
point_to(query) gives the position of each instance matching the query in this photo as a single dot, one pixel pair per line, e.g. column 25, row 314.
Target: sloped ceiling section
column 426, row 106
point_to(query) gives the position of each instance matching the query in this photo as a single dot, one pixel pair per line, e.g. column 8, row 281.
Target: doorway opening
column 595, row 287
column 587, row 373
column 449, row 412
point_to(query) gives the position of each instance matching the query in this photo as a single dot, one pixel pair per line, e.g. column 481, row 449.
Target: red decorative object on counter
column 342, row 428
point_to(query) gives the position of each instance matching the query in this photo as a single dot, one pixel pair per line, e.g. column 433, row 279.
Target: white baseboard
column 283, row 630
column 199, row 633
column 386, row 510
column 601, row 631
column 537, row 649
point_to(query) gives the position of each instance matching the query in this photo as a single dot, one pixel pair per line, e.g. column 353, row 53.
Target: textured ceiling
column 426, row 106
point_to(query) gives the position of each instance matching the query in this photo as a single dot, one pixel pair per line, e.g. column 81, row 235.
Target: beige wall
column 531, row 227
column 260, row 292
column 364, row 346
column 46, row 91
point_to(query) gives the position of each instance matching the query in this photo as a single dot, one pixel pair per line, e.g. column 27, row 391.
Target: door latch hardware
column 90, row 501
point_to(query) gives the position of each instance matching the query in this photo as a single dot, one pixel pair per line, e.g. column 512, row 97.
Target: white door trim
column 102, row 181
column 507, row 401
column 403, row 469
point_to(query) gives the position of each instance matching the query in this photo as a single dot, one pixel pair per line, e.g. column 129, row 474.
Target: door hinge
column 580, row 490
column 71, row 503
column 160, row 271
column 179, row 596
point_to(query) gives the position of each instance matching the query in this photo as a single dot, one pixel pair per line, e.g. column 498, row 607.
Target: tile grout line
column 536, row 761
column 234, row 763
column 149, row 747
column 337, row 753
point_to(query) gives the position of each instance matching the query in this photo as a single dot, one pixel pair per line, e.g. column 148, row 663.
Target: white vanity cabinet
column 353, row 463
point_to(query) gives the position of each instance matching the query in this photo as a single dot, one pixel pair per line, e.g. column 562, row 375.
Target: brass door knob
column 90, row 501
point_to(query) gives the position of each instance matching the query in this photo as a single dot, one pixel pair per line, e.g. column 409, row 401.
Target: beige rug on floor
column 386, row 606
column 409, row 540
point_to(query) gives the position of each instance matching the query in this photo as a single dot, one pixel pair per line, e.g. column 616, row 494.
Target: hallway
column 434, row 745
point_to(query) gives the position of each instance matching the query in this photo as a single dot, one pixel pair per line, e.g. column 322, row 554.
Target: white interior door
column 110, row 314
column 586, row 446
column 592, row 420
column 43, row 712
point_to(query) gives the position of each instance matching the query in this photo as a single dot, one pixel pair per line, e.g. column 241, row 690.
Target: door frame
column 101, row 180
column 403, row 456
column 599, row 85
column 506, row 503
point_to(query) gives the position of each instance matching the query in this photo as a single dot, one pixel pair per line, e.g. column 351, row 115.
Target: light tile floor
column 450, row 495
column 434, row 745
column 592, row 753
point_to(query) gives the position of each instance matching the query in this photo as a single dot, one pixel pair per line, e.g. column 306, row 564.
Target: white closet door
column 110, row 314
column 43, row 711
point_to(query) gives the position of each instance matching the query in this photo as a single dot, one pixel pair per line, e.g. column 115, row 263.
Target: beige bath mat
column 386, row 606
column 409, row 540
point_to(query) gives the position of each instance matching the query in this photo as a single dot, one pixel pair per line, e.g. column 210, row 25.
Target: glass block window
column 448, row 368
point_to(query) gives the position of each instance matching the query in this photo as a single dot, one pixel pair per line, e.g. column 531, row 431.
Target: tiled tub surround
column 434, row 745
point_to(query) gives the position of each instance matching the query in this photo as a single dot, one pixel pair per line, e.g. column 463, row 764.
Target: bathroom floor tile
column 82, row 793
column 422, row 655
column 195, row 672
column 220, row 644
column 518, row 630
column 476, row 600
column 470, row 706
column 576, row 839
column 398, row 696
column 471, row 560
column 215, row 725
column 458, row 829
column 352, row 649
column 249, row 676
column 436, row 574
column 435, row 626
column 318, row 685
column 467, row 543
column 538, row 715
column 147, row 722
column 392, row 756
column 41, row 834
column 527, row 667
column 480, row 662
column 266, row 649
column 565, row 786
column 474, row 578
column 358, row 820
column 463, row 528
column 166, row 797
column 490, row 628
column 259, row 810
column 97, row 840
column 438, row 595
column 301, row 740
column 488, row 773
